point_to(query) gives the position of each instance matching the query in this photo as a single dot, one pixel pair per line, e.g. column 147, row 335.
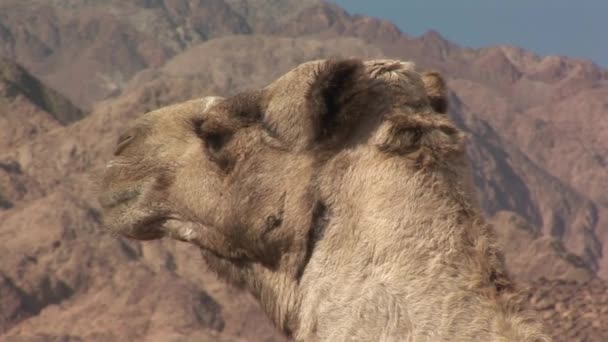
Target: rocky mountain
column 90, row 49
column 536, row 139
column 29, row 107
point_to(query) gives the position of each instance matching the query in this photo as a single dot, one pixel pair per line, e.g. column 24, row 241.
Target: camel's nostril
column 111, row 200
column 123, row 141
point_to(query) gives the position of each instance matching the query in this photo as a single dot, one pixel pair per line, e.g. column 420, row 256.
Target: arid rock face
column 536, row 128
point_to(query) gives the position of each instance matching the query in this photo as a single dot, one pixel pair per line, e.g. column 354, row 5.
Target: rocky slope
column 539, row 167
column 575, row 311
column 29, row 108
column 89, row 49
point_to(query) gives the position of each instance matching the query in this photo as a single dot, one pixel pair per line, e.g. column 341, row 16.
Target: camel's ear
column 331, row 96
column 436, row 90
column 424, row 138
column 316, row 103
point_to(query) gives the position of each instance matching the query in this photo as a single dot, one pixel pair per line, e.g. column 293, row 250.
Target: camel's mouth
column 136, row 228
column 125, row 214
column 156, row 228
column 132, row 214
column 153, row 228
column 150, row 229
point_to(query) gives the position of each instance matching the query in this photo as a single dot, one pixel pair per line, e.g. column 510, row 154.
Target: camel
column 340, row 196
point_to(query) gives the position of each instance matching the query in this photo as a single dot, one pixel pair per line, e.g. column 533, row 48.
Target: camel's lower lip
column 152, row 226
column 149, row 229
column 183, row 230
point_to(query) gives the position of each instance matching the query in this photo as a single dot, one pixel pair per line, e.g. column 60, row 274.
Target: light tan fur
column 340, row 196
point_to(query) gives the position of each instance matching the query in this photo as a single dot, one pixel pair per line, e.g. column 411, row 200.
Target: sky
column 575, row 28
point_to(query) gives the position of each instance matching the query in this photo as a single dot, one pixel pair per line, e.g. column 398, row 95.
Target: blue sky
column 576, row 28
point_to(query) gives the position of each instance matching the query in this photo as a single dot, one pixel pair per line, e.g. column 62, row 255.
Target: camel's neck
column 276, row 290
column 404, row 254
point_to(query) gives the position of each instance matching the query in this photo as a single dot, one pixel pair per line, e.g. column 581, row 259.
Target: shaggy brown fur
column 339, row 195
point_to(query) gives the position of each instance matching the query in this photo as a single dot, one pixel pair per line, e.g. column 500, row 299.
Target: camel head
column 240, row 177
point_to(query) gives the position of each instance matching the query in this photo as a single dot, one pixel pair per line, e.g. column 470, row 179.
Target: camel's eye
column 215, row 140
column 215, row 133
